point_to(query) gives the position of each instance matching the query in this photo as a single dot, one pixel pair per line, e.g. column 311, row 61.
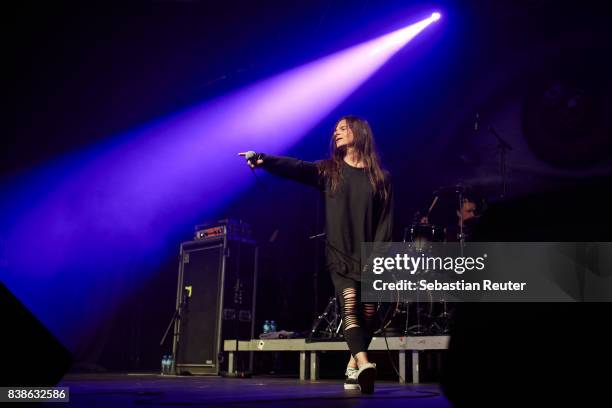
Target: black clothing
column 358, row 318
column 354, row 213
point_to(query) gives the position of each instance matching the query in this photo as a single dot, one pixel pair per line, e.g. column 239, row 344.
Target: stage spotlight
column 394, row 41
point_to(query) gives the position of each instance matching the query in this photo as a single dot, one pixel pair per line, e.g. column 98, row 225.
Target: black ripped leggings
column 357, row 318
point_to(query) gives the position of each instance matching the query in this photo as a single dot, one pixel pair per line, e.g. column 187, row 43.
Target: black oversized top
column 354, row 213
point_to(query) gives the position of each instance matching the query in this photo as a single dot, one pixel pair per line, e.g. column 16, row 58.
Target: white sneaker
column 351, row 379
column 366, row 377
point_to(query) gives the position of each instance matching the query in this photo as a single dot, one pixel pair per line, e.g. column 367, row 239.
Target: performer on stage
column 359, row 208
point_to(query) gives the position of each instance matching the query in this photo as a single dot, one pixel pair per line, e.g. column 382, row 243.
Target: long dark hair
column 365, row 150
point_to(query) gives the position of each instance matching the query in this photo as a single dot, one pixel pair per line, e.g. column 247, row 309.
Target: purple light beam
column 75, row 226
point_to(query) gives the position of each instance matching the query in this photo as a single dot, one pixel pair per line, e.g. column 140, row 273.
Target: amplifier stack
column 215, row 296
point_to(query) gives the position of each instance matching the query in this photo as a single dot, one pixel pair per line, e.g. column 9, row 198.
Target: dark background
column 538, row 71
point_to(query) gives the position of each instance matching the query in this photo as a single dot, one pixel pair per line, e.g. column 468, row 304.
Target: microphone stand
column 503, row 147
column 178, row 312
column 330, row 314
column 238, row 294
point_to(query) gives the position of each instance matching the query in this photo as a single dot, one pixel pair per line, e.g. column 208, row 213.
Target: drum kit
column 442, row 222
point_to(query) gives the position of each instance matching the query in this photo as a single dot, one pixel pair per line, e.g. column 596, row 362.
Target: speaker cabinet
column 216, row 301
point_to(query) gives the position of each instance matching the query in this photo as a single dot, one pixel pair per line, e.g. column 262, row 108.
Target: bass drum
column 414, row 318
column 420, row 235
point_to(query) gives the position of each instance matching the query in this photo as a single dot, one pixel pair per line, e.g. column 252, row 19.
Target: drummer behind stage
column 464, row 217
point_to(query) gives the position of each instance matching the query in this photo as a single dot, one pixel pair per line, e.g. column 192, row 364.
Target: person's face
column 468, row 210
column 343, row 135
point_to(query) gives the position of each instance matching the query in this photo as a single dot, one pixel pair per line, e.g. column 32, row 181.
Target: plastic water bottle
column 266, row 326
column 164, row 364
column 170, row 364
column 273, row 326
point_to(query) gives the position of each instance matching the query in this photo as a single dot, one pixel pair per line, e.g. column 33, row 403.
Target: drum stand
column 420, row 328
column 441, row 325
column 331, row 320
column 330, row 316
column 417, row 329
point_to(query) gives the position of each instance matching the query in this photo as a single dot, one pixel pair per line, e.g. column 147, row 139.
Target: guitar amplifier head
column 226, row 227
column 210, row 232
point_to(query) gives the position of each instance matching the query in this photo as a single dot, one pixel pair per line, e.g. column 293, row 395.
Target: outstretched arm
column 304, row 172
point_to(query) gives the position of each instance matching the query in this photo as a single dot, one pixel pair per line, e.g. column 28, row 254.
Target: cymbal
column 456, row 189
